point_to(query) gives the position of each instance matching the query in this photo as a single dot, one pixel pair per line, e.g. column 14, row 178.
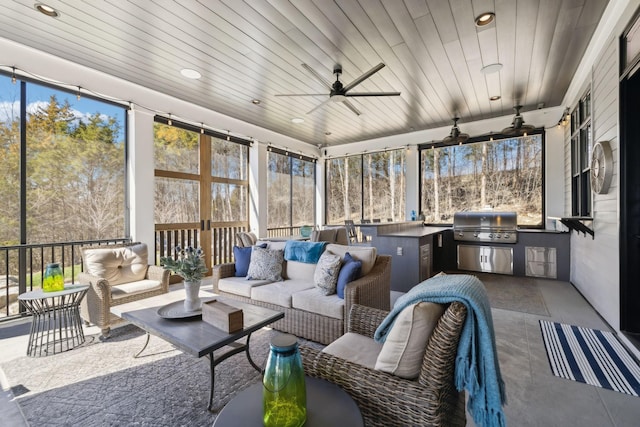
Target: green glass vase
column 284, row 391
column 53, row 279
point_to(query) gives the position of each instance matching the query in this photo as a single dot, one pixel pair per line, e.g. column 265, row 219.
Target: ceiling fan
column 339, row 92
column 456, row 137
column 518, row 128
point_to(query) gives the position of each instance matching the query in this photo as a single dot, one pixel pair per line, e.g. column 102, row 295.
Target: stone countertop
column 540, row 230
column 415, row 232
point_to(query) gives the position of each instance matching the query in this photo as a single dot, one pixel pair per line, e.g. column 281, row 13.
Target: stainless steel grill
column 497, row 227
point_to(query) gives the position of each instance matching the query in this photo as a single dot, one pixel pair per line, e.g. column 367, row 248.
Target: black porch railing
column 22, row 268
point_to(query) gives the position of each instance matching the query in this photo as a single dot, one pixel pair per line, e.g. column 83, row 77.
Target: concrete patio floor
column 535, row 396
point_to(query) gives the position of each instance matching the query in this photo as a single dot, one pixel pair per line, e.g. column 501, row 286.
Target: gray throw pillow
column 326, row 274
column 265, row 264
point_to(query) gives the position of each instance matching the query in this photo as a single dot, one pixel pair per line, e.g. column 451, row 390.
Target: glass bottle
column 53, row 280
column 284, row 393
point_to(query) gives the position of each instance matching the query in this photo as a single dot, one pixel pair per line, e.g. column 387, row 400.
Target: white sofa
column 309, row 313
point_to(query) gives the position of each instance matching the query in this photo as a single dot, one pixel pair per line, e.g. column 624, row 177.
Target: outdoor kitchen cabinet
column 487, row 259
column 412, row 247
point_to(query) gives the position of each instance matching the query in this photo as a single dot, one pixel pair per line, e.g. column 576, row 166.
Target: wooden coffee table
column 327, row 405
column 192, row 335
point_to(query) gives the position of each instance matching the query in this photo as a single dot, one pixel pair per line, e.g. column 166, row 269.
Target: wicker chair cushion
column 404, row 348
column 355, row 348
column 366, row 254
column 314, row 301
column 245, row 239
column 326, row 275
column 117, row 265
column 240, row 285
column 265, row 264
column 328, row 235
column 279, row 293
column 127, row 289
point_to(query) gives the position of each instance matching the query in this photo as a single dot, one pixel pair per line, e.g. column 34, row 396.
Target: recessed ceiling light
column 46, row 10
column 297, row 120
column 190, row 73
column 494, row 98
column 485, row 19
column 255, row 101
column 491, row 68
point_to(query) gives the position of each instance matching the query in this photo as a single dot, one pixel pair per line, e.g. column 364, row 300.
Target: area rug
column 590, row 356
column 101, row 384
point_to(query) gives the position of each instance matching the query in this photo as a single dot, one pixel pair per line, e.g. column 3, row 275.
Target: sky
column 37, row 94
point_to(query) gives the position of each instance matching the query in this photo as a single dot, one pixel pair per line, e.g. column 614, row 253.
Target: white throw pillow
column 265, row 264
column 326, row 275
column 404, row 348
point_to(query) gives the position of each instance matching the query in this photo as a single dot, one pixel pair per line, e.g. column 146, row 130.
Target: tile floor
column 535, row 396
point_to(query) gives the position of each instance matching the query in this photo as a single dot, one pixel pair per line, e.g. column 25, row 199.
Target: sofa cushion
column 403, row 350
column 279, row 293
column 326, row 274
column 132, row 288
column 239, row 285
column 314, row 301
column 349, row 272
column 273, row 245
column 119, row 264
column 265, row 264
column 366, row 254
column 355, row 348
column 296, row 270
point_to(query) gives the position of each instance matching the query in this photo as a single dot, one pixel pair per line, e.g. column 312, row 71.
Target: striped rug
column 590, row 356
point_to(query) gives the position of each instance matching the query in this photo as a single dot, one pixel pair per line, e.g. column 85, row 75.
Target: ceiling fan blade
column 363, row 77
column 319, row 105
column 317, row 76
column 301, row 94
column 373, row 94
column 351, row 107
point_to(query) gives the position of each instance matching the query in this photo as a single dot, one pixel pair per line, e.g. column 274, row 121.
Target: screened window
column 74, row 152
column 177, row 197
column 180, row 178
column 581, row 145
column 291, row 191
column 367, row 186
column 502, row 175
column 229, row 181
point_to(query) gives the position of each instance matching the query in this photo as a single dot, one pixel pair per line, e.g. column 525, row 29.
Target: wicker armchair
column 117, row 274
column 388, row 400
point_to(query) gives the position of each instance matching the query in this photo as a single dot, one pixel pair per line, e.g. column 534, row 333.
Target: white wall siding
column 595, row 262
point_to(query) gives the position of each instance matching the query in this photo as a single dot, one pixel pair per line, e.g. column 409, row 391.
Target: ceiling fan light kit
column 518, row 128
column 339, row 92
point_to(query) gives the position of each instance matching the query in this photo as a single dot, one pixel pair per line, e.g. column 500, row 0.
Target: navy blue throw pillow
column 349, row 272
column 243, row 258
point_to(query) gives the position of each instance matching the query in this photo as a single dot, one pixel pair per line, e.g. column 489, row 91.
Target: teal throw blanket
column 477, row 367
column 308, row 252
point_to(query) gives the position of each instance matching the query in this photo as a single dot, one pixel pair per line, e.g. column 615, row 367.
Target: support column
column 140, row 169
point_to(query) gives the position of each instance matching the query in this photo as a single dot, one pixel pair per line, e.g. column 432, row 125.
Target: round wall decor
column 601, row 167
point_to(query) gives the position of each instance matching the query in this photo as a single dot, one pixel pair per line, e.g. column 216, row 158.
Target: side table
column 55, row 324
column 327, row 405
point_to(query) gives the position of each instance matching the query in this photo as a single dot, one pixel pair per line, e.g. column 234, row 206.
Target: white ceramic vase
column 192, row 301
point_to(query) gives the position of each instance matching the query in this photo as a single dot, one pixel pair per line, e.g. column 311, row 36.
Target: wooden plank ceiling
column 253, row 49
